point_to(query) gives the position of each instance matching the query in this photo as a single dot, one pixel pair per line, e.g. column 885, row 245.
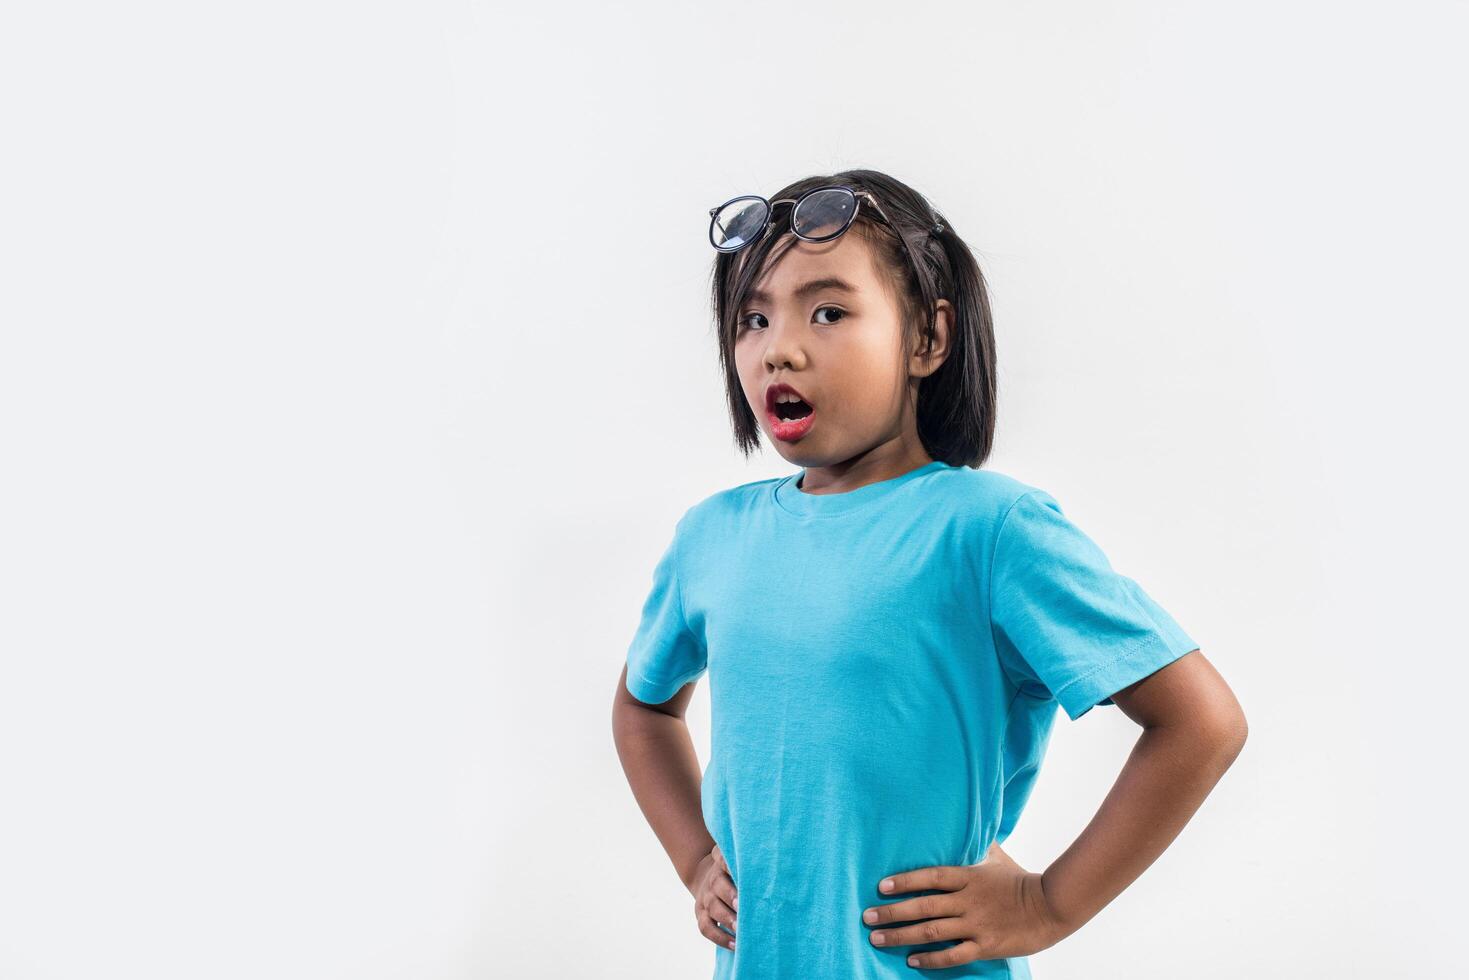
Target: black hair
column 956, row 403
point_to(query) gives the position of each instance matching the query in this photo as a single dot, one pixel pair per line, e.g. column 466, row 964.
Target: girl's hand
column 995, row 909
column 715, row 898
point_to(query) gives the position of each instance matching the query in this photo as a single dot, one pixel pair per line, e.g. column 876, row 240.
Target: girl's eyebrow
column 805, row 289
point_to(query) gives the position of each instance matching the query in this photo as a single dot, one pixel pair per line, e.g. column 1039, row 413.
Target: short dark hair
column 956, row 404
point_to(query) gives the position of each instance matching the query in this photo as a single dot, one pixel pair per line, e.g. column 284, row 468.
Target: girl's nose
column 782, row 347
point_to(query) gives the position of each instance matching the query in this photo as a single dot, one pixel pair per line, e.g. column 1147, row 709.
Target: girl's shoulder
column 732, row 500
column 982, row 483
column 724, row 504
column 979, row 493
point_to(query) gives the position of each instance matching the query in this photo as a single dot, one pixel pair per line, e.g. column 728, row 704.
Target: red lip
column 787, row 430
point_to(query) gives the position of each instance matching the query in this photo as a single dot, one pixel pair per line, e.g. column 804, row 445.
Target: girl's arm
column 662, row 767
column 1193, row 728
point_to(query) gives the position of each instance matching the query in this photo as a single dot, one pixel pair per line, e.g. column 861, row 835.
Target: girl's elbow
column 1223, row 721
column 1227, row 734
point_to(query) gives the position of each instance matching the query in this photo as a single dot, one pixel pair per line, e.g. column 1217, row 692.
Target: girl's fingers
column 725, row 889
column 933, row 930
column 711, row 931
column 722, row 914
column 914, row 909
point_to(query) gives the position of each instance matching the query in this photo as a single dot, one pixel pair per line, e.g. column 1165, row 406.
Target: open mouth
column 790, row 411
column 790, row 415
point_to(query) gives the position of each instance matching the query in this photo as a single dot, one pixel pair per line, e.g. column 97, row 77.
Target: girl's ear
column 925, row 360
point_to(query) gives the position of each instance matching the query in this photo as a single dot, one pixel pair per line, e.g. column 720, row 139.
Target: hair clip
column 937, row 228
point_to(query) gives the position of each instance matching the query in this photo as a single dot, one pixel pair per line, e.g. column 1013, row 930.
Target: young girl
column 889, row 630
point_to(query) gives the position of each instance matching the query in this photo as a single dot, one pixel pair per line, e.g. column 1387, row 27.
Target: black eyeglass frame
column 858, row 197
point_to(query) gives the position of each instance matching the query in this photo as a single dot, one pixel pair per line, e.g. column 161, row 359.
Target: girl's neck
column 882, row 462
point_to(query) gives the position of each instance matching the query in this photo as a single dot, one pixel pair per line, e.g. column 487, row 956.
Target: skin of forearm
column 658, row 756
column 1168, row 774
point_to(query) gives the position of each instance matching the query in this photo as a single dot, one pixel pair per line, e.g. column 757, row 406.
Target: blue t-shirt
column 884, row 669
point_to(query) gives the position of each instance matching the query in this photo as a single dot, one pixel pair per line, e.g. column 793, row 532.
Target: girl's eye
column 744, row 322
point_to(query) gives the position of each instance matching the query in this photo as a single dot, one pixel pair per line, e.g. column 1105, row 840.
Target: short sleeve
column 1063, row 619
column 665, row 653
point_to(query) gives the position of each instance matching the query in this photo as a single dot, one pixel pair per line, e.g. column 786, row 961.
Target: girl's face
column 825, row 322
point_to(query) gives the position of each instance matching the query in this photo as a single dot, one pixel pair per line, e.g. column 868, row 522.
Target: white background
column 357, row 361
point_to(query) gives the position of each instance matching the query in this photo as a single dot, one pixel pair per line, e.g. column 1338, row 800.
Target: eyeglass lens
column 819, row 216
column 738, row 223
column 824, row 214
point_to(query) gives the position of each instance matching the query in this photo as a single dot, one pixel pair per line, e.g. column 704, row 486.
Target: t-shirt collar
column 792, row 499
